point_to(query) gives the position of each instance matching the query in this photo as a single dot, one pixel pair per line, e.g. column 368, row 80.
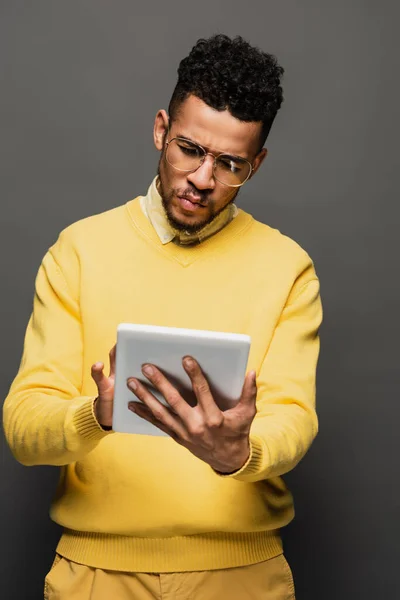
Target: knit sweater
column 144, row 503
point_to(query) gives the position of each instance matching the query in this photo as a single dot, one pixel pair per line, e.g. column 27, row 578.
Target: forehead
column 218, row 131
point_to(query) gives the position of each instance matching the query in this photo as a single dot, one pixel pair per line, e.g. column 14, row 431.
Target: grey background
column 80, row 85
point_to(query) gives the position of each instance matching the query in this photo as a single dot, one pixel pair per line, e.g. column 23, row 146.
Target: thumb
column 249, row 390
column 100, row 379
column 112, row 356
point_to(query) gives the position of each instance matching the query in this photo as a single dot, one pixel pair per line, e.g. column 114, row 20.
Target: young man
column 195, row 514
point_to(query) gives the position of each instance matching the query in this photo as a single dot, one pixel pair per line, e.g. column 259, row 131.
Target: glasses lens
column 232, row 171
column 187, row 156
column 184, row 155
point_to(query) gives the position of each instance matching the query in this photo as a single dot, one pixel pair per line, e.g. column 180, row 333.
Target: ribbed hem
column 86, row 423
column 203, row 552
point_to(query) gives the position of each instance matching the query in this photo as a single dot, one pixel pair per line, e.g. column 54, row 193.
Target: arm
column 286, row 423
column 46, row 420
column 274, row 423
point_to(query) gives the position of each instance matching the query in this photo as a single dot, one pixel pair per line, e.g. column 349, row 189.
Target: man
column 195, row 514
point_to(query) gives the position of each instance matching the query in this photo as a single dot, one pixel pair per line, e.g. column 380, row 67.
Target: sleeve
column 46, row 420
column 286, row 422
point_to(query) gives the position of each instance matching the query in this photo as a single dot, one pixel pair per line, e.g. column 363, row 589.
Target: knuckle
column 196, row 429
column 173, row 399
column 214, row 422
column 201, row 387
column 158, row 413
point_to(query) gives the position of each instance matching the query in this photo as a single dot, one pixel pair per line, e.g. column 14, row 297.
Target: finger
column 170, row 393
column 112, row 356
column 201, row 388
column 249, row 391
column 145, row 413
column 98, row 376
column 158, row 410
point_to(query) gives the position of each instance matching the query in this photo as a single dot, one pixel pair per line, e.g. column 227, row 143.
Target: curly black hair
column 231, row 74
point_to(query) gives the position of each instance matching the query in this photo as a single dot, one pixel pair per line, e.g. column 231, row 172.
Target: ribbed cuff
column 86, row 423
column 253, row 465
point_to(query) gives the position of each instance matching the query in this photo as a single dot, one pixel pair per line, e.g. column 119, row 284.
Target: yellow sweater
column 143, row 503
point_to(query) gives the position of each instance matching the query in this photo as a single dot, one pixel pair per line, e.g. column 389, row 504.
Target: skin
column 221, row 439
column 217, row 132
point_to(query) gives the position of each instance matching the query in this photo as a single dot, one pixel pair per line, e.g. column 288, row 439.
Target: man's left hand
column 219, row 438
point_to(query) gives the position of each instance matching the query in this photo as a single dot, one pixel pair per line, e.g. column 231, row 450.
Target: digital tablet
column 222, row 356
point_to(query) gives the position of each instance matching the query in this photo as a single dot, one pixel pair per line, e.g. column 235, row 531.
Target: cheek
column 172, row 180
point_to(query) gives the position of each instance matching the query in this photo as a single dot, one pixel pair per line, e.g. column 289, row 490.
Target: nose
column 203, row 177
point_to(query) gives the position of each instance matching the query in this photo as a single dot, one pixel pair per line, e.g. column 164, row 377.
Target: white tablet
column 222, row 356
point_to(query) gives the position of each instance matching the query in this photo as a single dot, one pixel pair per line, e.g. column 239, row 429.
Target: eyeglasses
column 186, row 156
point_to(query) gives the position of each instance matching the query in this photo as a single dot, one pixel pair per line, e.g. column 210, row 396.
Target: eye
column 189, row 150
column 229, row 164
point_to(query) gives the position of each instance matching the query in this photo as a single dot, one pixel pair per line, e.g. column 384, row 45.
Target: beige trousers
column 268, row 580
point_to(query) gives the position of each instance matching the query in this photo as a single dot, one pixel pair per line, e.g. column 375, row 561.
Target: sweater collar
column 152, row 207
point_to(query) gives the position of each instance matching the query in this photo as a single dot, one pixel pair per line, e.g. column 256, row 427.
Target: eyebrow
column 185, row 137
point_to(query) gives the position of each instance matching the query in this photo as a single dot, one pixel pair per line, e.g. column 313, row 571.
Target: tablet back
column 222, row 356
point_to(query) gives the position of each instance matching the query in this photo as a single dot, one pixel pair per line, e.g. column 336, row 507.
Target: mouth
column 190, row 203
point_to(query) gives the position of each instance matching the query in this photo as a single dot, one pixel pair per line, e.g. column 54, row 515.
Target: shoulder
column 104, row 223
column 272, row 244
column 87, row 237
column 90, row 232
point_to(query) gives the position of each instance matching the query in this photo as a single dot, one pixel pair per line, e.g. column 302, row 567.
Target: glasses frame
column 215, row 157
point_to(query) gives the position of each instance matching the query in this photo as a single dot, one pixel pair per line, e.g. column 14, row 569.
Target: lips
column 192, row 199
column 189, row 204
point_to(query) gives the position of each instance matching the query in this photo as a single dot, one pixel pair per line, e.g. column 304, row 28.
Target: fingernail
column 147, row 370
column 189, row 362
column 132, row 407
column 132, row 384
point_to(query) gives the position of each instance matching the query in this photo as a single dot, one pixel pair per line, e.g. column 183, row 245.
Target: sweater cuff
column 86, row 423
column 253, row 464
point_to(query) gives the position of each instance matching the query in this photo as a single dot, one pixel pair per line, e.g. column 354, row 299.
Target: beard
column 167, row 196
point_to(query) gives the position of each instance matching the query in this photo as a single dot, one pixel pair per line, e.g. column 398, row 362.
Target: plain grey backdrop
column 81, row 82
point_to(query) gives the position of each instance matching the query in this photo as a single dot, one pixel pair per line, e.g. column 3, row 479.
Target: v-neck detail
column 187, row 255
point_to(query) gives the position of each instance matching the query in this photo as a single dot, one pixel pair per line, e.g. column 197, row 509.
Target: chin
column 182, row 222
column 186, row 218
column 190, row 224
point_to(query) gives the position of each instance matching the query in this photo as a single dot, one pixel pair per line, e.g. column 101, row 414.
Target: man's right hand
column 103, row 406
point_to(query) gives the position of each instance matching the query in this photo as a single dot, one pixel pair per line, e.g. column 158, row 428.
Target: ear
column 259, row 159
column 160, row 128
